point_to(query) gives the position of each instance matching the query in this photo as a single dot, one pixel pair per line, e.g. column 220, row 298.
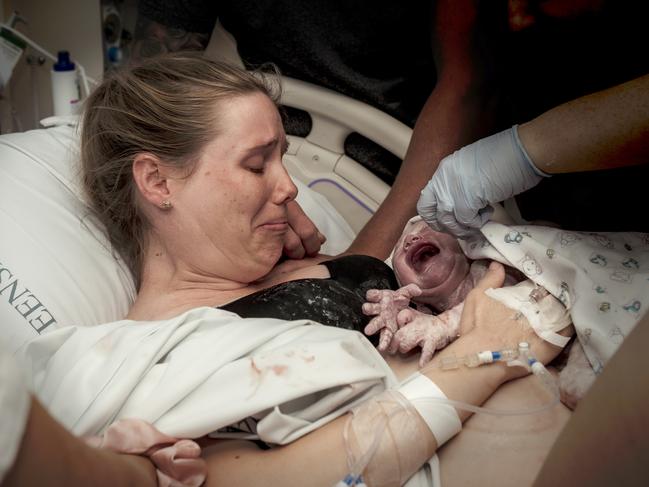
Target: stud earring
column 166, row 205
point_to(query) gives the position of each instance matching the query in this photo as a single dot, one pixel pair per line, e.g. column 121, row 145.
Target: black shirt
column 335, row 301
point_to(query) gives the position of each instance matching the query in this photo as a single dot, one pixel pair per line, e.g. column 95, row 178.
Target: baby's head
column 430, row 259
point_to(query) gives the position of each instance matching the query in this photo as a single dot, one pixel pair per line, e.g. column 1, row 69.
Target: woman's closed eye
column 256, row 164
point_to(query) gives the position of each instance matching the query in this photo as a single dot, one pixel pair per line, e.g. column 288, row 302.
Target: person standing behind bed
column 182, row 162
column 472, row 68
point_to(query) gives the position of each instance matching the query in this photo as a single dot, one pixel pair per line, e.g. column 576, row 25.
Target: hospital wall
column 72, row 25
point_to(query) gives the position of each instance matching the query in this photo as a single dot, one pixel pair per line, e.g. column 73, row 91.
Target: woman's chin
column 265, row 267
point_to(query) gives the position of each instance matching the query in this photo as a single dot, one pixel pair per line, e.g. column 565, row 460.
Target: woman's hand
column 303, row 238
column 494, row 326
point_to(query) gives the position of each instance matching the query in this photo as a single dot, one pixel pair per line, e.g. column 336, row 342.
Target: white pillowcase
column 56, row 265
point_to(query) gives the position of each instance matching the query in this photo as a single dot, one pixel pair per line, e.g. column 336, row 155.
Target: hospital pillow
column 56, row 264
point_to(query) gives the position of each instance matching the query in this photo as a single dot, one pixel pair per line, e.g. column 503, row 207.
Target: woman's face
column 231, row 211
column 430, row 259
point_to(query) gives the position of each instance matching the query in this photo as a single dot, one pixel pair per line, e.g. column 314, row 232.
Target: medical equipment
column 64, row 81
column 65, row 88
column 11, row 48
column 521, row 357
column 386, row 427
column 377, row 425
column 513, row 357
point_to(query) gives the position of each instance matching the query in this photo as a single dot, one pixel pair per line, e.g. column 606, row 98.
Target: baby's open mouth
column 421, row 255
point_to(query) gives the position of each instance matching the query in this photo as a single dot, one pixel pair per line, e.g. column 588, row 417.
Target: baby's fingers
column 373, row 295
column 427, row 351
column 405, row 316
column 377, row 323
column 407, row 338
column 409, row 291
column 371, row 309
column 386, row 340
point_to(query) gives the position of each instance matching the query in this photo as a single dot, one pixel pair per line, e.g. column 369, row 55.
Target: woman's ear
column 151, row 179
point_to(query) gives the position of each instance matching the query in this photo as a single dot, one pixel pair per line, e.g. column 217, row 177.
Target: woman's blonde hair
column 167, row 106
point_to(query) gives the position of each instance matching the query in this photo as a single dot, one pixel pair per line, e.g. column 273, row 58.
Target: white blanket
column 203, row 370
column 602, row 278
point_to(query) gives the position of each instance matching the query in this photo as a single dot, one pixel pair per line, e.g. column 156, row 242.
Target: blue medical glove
column 457, row 198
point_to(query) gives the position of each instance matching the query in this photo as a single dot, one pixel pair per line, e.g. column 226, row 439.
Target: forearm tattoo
column 152, row 38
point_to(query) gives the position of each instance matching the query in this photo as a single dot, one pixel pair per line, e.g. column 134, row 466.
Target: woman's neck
column 168, row 290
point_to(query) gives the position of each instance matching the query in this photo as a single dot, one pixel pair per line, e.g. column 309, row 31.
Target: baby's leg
column 576, row 377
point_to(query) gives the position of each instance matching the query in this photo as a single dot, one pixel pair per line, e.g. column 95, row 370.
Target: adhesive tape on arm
column 441, row 418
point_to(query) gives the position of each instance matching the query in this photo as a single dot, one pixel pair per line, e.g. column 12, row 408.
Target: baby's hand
column 426, row 331
column 384, row 305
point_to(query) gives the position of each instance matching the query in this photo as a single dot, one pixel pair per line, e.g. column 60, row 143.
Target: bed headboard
column 319, row 159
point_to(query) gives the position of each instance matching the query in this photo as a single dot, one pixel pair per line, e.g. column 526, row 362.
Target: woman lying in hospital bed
column 215, row 217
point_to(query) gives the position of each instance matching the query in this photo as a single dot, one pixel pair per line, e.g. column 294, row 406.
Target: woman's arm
column 488, row 325
column 50, row 455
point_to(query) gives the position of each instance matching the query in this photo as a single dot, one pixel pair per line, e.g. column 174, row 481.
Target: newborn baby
column 437, row 276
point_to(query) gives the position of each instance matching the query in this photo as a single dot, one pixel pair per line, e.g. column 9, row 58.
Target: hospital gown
column 335, row 301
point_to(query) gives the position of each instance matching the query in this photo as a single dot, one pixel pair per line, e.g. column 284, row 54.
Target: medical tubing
column 356, row 468
column 539, row 371
column 495, row 412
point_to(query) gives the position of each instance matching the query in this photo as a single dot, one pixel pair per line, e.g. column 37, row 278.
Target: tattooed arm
column 153, row 38
column 172, row 25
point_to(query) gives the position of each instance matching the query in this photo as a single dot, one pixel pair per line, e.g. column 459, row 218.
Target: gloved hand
column 456, row 199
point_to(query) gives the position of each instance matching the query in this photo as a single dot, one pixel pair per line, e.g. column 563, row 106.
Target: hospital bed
column 57, row 267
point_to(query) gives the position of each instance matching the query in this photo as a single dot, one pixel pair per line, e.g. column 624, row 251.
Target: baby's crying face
column 430, row 259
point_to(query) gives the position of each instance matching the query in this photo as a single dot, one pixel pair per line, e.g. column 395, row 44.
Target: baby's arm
column 385, row 305
column 427, row 331
column 403, row 328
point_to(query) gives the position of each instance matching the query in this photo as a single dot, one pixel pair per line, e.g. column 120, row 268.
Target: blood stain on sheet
column 279, row 369
column 254, row 367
